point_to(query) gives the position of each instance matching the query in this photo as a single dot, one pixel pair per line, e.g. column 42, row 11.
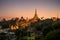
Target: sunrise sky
column 26, row 8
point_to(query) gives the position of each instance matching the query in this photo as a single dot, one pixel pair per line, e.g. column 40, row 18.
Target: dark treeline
column 46, row 29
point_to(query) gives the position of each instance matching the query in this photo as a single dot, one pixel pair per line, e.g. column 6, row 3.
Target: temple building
column 25, row 22
column 29, row 21
column 35, row 18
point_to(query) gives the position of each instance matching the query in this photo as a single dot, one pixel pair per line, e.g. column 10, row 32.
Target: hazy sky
column 26, row 8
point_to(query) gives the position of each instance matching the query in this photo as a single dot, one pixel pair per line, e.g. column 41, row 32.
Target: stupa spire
column 35, row 16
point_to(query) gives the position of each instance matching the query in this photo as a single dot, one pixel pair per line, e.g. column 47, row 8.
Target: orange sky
column 26, row 8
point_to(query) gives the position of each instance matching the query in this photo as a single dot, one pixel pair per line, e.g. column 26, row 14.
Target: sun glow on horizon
column 25, row 8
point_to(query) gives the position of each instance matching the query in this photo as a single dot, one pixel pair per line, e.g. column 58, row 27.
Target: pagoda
column 35, row 18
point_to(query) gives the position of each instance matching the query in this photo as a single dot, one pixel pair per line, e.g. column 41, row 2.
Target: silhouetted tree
column 53, row 35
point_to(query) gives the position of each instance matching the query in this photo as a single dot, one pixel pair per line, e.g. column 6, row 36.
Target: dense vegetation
column 48, row 29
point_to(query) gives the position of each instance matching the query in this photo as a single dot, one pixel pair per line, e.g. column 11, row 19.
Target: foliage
column 41, row 30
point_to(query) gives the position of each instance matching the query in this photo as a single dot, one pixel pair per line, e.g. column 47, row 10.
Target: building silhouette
column 35, row 18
